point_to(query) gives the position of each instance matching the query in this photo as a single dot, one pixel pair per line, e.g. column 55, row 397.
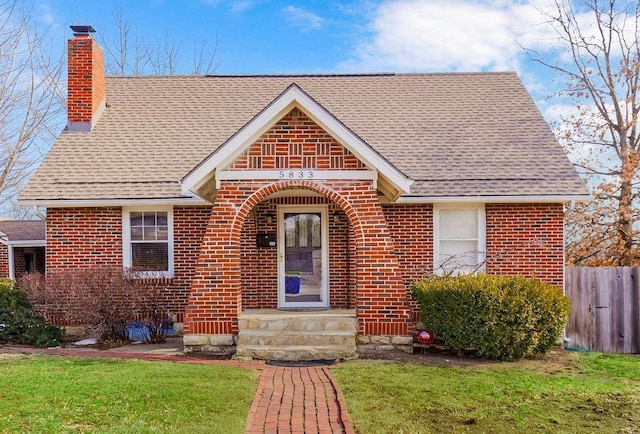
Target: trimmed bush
column 498, row 317
column 20, row 324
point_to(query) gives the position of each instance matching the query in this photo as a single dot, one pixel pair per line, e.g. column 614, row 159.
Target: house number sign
column 296, row 174
column 286, row 174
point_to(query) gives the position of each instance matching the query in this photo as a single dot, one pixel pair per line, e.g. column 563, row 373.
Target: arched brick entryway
column 215, row 298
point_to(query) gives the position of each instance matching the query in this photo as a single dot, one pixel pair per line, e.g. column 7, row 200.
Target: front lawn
column 63, row 395
column 566, row 392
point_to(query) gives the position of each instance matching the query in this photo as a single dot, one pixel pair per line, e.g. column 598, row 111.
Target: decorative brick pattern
column 86, row 78
column 296, row 142
column 526, row 240
column 381, row 297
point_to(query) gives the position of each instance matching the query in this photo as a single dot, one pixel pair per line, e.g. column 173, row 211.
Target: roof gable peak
column 292, row 97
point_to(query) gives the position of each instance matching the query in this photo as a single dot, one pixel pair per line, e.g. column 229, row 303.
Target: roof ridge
column 319, row 75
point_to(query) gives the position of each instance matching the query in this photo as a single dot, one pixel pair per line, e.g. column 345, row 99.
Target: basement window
column 459, row 239
column 148, row 240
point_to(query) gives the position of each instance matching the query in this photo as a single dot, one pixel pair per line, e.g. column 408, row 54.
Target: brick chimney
column 86, row 80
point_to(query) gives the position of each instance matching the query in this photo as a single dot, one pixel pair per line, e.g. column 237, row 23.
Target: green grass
column 64, row 395
column 565, row 393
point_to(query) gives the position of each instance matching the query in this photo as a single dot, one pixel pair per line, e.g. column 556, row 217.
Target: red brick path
column 298, row 400
column 288, row 400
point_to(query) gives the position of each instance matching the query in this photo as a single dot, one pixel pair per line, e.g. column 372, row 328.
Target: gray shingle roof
column 454, row 134
column 22, row 230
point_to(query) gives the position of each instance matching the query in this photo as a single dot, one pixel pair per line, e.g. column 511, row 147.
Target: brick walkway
column 298, row 400
column 288, row 400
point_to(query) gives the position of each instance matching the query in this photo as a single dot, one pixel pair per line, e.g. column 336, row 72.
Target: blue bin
column 291, row 284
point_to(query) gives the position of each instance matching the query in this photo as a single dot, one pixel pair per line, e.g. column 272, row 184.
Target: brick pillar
column 382, row 302
column 215, row 298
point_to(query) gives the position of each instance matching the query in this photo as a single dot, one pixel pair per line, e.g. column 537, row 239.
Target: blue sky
column 266, row 37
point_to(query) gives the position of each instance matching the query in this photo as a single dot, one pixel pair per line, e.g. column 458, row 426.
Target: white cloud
column 302, row 18
column 457, row 35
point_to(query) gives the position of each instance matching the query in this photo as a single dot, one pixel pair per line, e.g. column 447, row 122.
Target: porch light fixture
column 269, row 219
column 336, row 216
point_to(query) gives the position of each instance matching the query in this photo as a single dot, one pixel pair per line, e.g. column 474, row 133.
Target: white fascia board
column 27, row 243
column 293, row 97
column 491, row 199
column 73, row 203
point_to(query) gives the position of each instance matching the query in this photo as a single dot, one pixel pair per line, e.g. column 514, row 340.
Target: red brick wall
column 526, row 240
column 84, row 237
column 296, row 142
column 19, row 261
column 86, row 78
column 92, row 238
column 411, row 228
column 189, row 225
column 4, row 260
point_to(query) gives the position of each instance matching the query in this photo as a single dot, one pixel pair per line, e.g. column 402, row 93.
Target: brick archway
column 215, row 298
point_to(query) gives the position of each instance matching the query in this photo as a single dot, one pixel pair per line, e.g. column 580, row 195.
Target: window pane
column 458, row 224
column 149, row 233
column 316, row 232
column 303, row 230
column 162, row 233
column 150, row 256
column 136, row 219
column 458, row 254
column 290, row 228
column 149, row 218
column 136, row 233
column 161, row 219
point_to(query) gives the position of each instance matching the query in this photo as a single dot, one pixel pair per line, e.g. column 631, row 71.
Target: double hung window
column 459, row 239
column 148, row 240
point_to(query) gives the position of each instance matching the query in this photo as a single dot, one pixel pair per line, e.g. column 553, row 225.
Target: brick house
column 304, row 204
column 21, row 247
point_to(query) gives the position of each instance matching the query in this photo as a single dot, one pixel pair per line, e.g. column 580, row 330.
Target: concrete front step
column 295, row 352
column 288, row 338
column 299, row 321
column 287, row 335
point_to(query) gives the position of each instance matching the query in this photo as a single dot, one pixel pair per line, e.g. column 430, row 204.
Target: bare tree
column 601, row 65
column 128, row 53
column 31, row 98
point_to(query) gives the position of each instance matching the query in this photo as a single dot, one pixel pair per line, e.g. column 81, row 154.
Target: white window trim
column 126, row 238
column 482, row 232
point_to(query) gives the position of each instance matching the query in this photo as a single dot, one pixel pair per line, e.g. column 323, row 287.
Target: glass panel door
column 302, row 257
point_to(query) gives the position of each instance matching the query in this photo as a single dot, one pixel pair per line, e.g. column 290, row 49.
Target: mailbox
column 266, row 240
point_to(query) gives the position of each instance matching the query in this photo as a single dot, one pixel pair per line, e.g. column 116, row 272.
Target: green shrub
column 498, row 317
column 20, row 324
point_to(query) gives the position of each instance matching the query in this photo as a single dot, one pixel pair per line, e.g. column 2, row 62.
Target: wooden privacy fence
column 605, row 309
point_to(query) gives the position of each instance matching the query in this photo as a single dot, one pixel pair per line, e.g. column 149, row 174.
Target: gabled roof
column 21, row 230
column 454, row 135
column 292, row 97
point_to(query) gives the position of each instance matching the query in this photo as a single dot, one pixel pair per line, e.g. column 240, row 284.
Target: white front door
column 303, row 257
